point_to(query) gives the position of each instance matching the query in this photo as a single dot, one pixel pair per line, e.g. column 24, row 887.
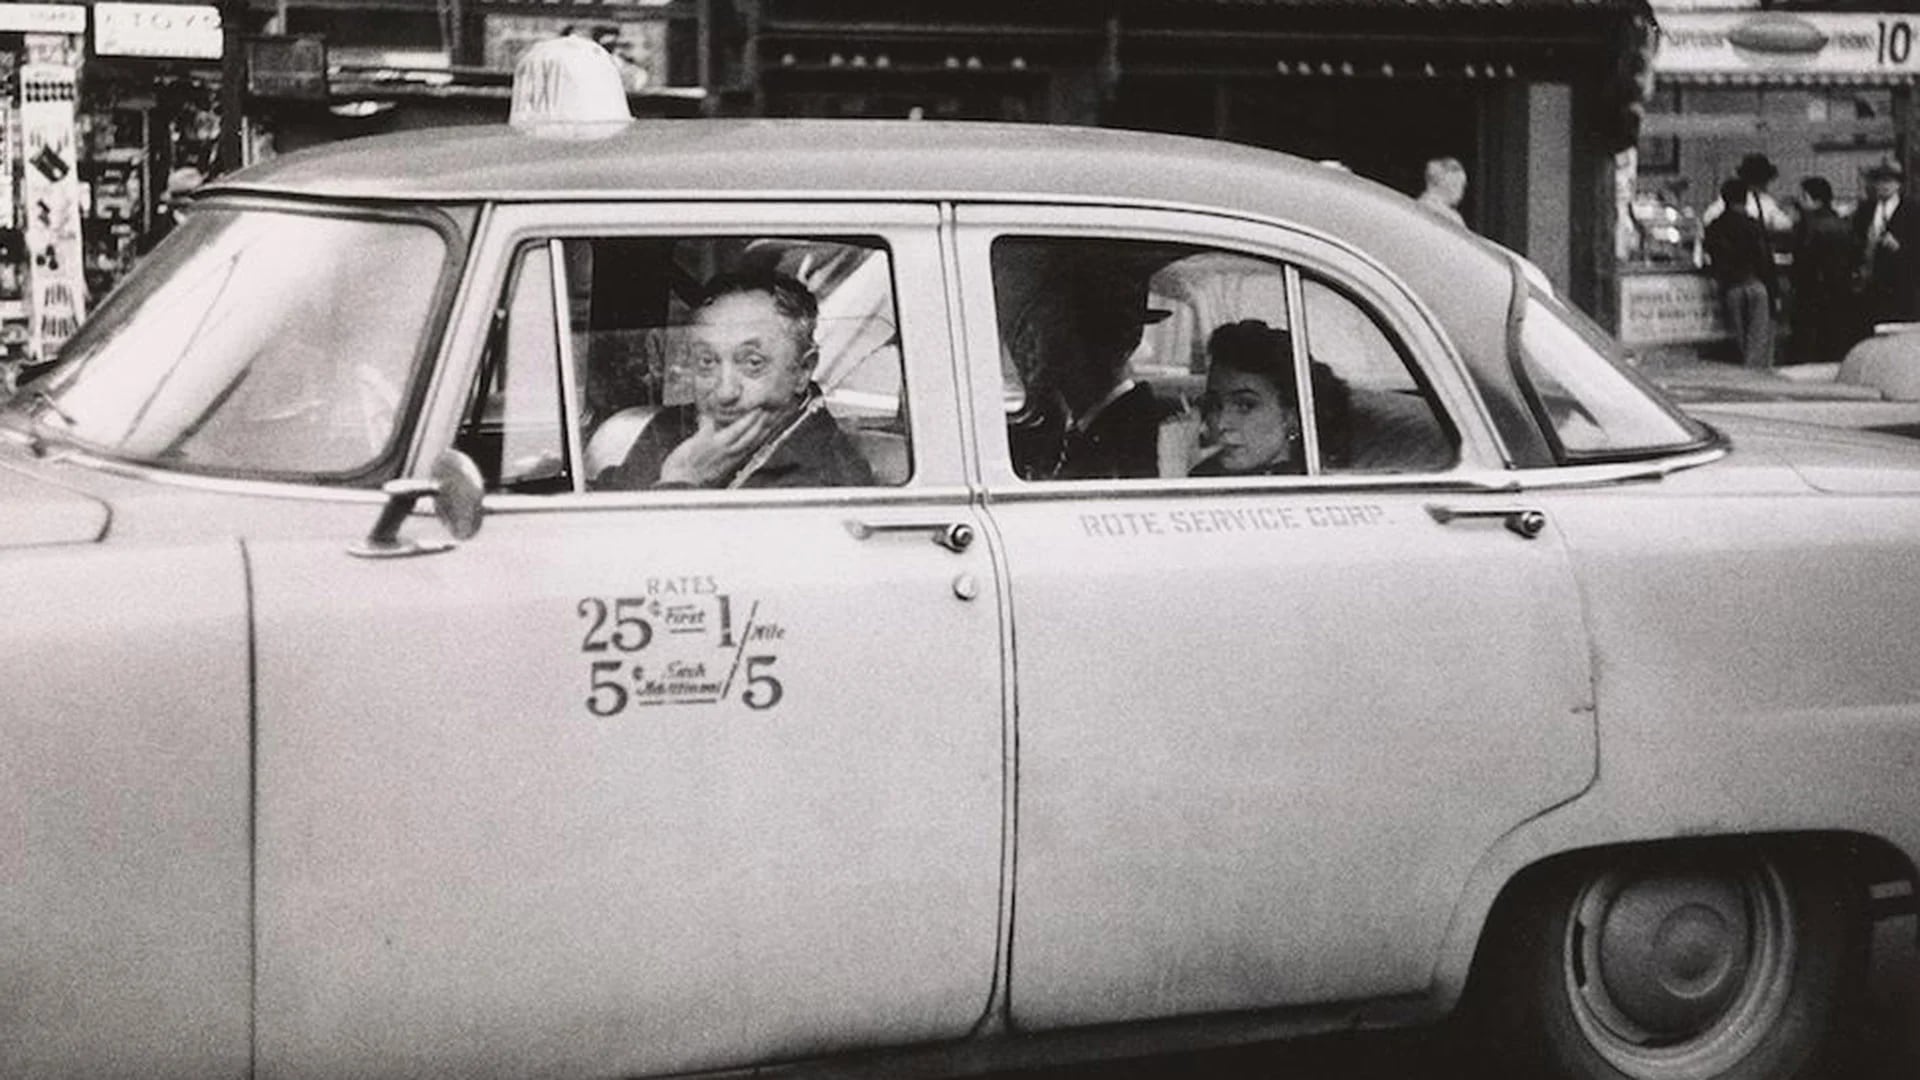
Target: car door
column 1267, row 722
column 640, row 781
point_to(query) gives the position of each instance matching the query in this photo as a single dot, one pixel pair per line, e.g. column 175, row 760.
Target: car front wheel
column 1702, row 966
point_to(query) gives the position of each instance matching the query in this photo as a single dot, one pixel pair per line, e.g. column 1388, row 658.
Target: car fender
column 1753, row 678
column 125, row 802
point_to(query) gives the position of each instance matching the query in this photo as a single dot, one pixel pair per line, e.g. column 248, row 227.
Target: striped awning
column 1782, row 78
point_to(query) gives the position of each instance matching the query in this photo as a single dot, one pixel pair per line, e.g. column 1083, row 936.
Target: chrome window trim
column 574, row 448
column 945, row 495
column 1465, row 479
column 1608, row 473
column 227, row 485
column 1300, row 339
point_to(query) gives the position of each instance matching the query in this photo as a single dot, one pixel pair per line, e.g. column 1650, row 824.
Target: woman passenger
column 1252, row 410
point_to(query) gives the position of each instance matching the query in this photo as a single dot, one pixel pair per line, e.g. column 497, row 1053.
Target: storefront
column 1824, row 94
column 1527, row 93
column 101, row 103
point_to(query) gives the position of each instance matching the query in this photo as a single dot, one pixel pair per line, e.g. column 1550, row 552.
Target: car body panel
column 1782, row 649
column 1285, row 846
column 45, row 513
column 785, row 847
column 810, row 859
column 1309, row 832
column 124, row 826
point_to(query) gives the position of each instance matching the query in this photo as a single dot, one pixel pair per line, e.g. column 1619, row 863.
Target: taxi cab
column 1479, row 683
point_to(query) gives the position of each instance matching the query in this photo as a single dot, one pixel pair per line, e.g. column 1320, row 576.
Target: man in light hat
column 1886, row 230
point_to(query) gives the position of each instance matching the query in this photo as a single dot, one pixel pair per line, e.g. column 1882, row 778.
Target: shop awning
column 1787, row 48
column 1786, row 78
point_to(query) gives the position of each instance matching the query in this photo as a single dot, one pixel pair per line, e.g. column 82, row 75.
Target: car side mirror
column 456, row 487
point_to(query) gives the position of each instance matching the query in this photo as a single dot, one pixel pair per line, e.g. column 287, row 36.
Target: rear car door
column 1267, row 722
column 641, row 781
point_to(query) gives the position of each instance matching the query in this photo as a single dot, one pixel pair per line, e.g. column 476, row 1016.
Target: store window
column 1695, row 137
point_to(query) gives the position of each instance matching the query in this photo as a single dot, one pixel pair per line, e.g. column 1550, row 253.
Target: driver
column 757, row 418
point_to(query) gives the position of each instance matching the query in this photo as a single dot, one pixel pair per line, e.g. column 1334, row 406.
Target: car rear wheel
column 1710, row 966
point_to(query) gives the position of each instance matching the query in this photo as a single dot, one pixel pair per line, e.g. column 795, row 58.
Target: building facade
column 1529, row 94
column 1821, row 90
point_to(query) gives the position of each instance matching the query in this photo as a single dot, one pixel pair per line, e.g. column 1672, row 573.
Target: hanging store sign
column 50, row 189
column 43, row 19
column 1677, row 308
column 167, row 31
column 288, row 68
column 1799, row 43
column 639, row 46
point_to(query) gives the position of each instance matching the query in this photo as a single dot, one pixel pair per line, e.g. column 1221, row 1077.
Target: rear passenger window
column 632, row 363
column 1133, row 359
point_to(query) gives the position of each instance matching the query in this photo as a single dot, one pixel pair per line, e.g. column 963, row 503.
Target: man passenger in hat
column 1886, row 230
column 1086, row 418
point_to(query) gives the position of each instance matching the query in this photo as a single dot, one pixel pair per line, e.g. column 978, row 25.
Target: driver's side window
column 692, row 362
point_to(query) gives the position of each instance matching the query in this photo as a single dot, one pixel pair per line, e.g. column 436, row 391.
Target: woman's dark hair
column 1817, row 189
column 1254, row 347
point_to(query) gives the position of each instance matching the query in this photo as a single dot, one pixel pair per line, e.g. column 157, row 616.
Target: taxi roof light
column 568, row 86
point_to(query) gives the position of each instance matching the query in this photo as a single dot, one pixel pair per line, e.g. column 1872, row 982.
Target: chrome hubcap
column 1673, row 953
column 1678, row 972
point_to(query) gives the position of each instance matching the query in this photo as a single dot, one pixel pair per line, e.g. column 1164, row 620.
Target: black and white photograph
column 1019, row 539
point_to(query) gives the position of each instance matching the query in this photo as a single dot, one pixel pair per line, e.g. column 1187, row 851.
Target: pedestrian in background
column 1742, row 265
column 1756, row 174
column 1446, row 182
column 1823, row 321
column 1886, row 229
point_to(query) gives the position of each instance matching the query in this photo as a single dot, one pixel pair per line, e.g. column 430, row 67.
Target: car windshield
column 257, row 343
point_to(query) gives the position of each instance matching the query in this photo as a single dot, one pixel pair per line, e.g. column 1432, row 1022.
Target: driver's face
column 748, row 357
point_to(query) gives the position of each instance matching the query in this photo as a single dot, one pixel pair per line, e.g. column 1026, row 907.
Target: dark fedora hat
column 1756, row 169
column 1109, row 289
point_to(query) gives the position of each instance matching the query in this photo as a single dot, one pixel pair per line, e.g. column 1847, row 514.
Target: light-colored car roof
column 805, row 157
column 1467, row 283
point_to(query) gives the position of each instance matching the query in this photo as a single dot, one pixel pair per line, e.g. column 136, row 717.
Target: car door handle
column 1524, row 521
column 955, row 536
